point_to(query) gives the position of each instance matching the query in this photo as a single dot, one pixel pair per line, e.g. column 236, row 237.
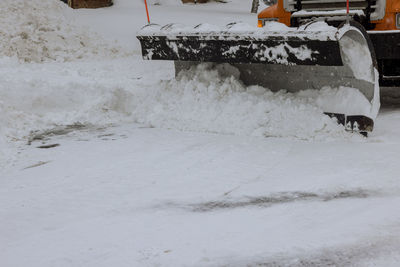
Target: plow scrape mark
column 60, row 130
column 278, row 198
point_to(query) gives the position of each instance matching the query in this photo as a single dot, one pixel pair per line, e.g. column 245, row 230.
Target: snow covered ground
column 107, row 160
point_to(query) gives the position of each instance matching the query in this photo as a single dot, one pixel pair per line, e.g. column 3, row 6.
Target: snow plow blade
column 289, row 59
column 291, row 48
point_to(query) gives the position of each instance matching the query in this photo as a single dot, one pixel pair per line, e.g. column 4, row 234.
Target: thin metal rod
column 147, row 12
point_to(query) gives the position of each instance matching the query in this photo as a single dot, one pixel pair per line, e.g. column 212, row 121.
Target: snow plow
column 299, row 45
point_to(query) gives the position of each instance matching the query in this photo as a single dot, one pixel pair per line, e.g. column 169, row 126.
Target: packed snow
column 355, row 52
column 109, row 160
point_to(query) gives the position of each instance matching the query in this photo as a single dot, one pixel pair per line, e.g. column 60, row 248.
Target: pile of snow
column 40, row 31
column 204, row 99
column 201, row 99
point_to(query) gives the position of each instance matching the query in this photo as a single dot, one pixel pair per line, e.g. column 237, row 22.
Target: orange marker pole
column 348, row 11
column 348, row 6
column 147, row 12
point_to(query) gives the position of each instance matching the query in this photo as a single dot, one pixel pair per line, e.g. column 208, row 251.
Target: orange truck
column 381, row 19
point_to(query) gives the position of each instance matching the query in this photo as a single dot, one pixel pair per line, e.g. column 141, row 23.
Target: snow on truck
column 350, row 45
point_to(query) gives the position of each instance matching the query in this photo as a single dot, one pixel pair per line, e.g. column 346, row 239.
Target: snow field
column 145, row 196
column 145, row 183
